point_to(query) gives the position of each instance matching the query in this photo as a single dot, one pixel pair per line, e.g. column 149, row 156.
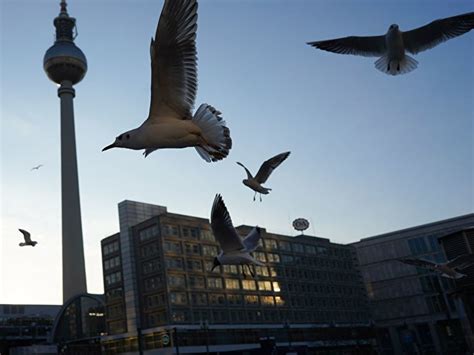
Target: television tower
column 66, row 65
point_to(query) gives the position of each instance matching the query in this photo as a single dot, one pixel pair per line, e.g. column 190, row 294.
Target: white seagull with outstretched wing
column 170, row 123
column 234, row 249
column 448, row 269
column 392, row 46
column 255, row 183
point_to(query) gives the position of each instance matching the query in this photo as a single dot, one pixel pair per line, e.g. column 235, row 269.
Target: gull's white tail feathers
column 396, row 67
column 216, row 135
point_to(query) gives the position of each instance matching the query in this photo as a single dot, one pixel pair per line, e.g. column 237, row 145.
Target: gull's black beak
column 108, row 147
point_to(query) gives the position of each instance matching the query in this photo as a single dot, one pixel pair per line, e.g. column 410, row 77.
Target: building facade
column 309, row 294
column 25, row 325
column 413, row 309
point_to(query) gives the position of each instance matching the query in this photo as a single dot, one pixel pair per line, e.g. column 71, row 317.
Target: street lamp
column 287, row 326
column 205, row 326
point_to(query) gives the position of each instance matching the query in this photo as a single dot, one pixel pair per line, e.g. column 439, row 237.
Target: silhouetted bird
column 27, row 237
column 37, row 167
column 392, row 46
column 234, row 249
column 448, row 269
column 170, row 123
column 255, row 183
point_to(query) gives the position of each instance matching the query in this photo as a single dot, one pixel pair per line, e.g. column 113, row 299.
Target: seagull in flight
column 392, row 46
column 255, row 183
column 448, row 269
column 170, row 122
column 37, row 167
column 27, row 237
column 234, row 249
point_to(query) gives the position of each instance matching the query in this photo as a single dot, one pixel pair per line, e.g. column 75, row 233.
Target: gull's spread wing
column 249, row 175
column 268, row 166
column 174, row 61
column 373, row 46
column 252, row 239
column 222, row 227
column 436, row 32
column 26, row 235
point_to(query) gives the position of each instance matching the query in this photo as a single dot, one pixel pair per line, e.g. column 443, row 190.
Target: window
column 113, row 278
column 276, row 286
column 174, row 263
column 261, row 271
column 216, row 299
column 170, row 230
column 310, row 249
column 267, row 300
column 251, row 300
column 185, row 232
column 114, row 293
column 176, row 281
column 322, row 250
column 199, row 299
column 148, row 233
column 194, row 265
column 153, row 283
column 271, row 244
column 213, row 282
column 230, row 269
column 434, row 244
column 209, row 267
column 149, row 250
column 286, row 258
column 249, row 285
column 234, row 300
column 273, row 258
column 172, row 247
column 155, row 300
column 150, row 266
column 112, row 263
column 232, row 284
column 284, row 245
column 417, row 245
column 111, row 248
column 207, row 235
column 179, row 316
column 298, row 248
column 260, row 256
column 264, row 285
column 196, row 282
column 178, row 298
column 279, row 301
column 192, row 249
column 272, row 271
column 194, row 233
column 209, row 250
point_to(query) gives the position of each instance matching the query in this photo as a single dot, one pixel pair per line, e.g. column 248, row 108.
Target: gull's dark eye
column 127, row 136
column 119, row 137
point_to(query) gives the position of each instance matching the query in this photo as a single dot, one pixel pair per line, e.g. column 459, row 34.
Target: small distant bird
column 234, row 249
column 255, row 183
column 27, row 237
column 37, row 167
column 392, row 46
column 170, row 123
column 448, row 269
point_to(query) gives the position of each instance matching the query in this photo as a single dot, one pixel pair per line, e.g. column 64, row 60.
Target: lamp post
column 287, row 326
column 205, row 327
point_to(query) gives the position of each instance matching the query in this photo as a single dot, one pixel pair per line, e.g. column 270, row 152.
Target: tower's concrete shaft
column 66, row 65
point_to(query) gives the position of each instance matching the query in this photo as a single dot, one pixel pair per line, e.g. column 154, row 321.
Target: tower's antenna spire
column 63, row 7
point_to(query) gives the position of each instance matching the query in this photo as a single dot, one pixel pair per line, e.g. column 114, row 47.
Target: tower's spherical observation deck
column 64, row 60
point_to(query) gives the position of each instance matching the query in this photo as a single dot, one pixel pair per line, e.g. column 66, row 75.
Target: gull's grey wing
column 26, row 235
column 249, row 175
column 174, row 61
column 461, row 262
column 222, row 227
column 418, row 262
column 436, row 32
column 252, row 239
column 373, row 46
column 268, row 166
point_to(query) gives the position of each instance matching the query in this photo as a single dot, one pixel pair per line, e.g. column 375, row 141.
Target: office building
column 161, row 294
column 412, row 308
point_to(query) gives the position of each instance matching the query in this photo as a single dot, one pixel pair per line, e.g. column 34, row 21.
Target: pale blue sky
column 371, row 153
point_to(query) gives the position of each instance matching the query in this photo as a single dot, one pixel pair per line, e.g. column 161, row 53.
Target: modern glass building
column 161, row 294
column 413, row 309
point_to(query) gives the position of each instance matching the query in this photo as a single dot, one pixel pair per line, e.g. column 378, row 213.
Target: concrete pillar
column 74, row 272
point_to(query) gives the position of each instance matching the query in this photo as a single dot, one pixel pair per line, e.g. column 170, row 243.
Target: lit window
column 213, row 282
column 279, row 301
column 231, row 269
column 232, row 284
column 273, row 258
column 264, row 285
column 249, row 285
column 251, row 300
column 267, row 300
column 260, row 256
column 207, row 235
column 271, row 244
column 209, row 250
